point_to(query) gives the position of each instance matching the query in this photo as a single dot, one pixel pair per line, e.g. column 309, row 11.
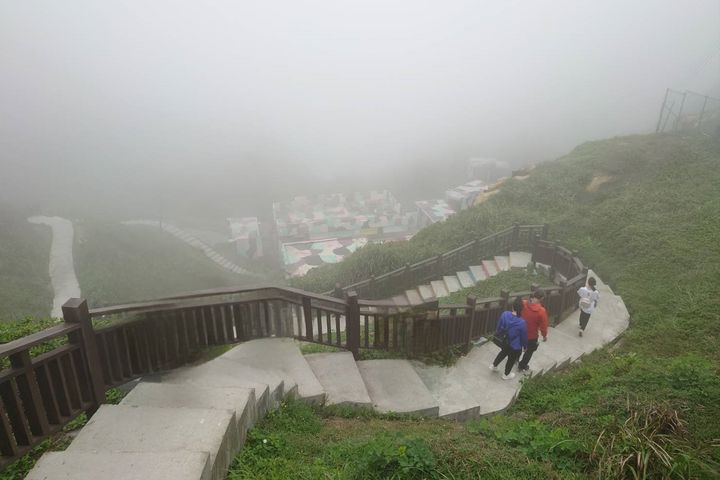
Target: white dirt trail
column 62, row 266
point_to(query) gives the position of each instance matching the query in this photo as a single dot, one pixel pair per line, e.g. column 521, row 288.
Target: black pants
column 512, row 356
column 584, row 319
column 525, row 362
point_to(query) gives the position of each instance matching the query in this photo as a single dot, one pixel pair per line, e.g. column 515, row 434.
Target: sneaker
column 524, row 369
column 579, row 333
column 493, row 368
column 508, row 377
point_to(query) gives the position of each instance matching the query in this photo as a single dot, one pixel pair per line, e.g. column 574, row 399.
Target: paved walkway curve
column 189, row 423
column 194, row 242
column 62, row 267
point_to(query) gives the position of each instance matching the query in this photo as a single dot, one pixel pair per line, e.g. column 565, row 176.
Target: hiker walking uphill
column 589, row 298
column 536, row 318
column 511, row 335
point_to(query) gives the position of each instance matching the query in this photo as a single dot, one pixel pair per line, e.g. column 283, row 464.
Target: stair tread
column 69, row 465
column 439, row 288
column 465, row 279
column 394, row 386
column 478, row 273
column 340, row 377
column 452, row 283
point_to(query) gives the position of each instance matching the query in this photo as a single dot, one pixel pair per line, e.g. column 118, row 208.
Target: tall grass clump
column 652, row 443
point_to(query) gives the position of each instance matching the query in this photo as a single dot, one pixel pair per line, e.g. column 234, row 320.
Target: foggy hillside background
column 175, row 107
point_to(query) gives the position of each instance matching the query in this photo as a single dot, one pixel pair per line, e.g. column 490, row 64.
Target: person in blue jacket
column 515, row 327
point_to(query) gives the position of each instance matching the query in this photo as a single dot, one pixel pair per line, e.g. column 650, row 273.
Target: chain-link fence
column 684, row 111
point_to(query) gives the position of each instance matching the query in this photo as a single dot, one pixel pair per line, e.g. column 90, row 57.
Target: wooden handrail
column 37, row 338
column 160, row 334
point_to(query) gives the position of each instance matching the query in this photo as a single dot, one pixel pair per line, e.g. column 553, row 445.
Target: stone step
column 426, row 293
column 285, row 357
column 520, row 259
column 267, row 384
column 120, row 428
column 181, row 465
column 490, row 267
column 340, row 378
column 439, row 288
column 478, row 273
column 452, row 283
column 486, row 387
column 465, row 278
column 394, row 386
column 401, row 301
column 454, row 402
column 240, row 401
column 414, row 297
column 502, row 263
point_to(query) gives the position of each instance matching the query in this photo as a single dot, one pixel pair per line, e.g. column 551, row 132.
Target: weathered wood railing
column 517, row 237
column 94, row 350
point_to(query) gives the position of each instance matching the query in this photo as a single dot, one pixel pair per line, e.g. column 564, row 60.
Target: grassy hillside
column 650, row 229
column 24, row 279
column 120, row 264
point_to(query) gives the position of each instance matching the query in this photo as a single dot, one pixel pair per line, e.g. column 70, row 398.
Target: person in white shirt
column 589, row 298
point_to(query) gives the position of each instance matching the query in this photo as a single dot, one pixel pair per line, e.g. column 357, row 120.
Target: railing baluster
column 13, row 407
column 30, row 393
column 8, row 444
column 47, row 394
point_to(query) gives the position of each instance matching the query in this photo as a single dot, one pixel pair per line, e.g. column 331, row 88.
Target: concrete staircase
column 465, row 279
column 191, row 422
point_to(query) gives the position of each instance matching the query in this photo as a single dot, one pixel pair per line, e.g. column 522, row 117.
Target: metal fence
column 688, row 111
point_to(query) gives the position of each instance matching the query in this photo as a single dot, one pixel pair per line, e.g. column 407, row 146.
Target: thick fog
column 221, row 106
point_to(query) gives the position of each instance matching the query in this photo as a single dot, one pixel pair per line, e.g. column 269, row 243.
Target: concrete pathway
column 194, row 242
column 62, row 267
column 199, row 415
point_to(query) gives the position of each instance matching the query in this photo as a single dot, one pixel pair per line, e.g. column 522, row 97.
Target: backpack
column 586, row 303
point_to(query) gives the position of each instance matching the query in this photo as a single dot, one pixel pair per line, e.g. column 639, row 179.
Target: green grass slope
column 25, row 287
column 118, row 264
column 652, row 231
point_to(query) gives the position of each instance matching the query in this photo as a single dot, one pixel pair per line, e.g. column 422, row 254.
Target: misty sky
column 186, row 97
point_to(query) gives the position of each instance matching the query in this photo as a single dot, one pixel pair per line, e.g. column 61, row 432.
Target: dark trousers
column 512, row 356
column 525, row 362
column 584, row 319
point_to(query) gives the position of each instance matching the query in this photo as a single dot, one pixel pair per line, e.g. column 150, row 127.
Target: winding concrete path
column 62, row 267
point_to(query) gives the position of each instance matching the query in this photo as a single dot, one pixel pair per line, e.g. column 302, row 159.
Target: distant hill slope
column 25, row 287
column 648, row 190
column 119, row 264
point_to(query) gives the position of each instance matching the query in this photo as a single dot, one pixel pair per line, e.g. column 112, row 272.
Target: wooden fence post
column 514, row 239
column 563, row 293
column 534, row 250
column 505, row 302
column 352, row 324
column 471, row 303
column 75, row 310
column 545, row 230
column 307, row 315
column 338, row 291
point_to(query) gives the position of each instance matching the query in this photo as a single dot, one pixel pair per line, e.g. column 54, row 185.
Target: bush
column 388, row 456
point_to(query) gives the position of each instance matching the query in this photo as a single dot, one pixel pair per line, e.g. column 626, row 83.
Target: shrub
column 388, row 456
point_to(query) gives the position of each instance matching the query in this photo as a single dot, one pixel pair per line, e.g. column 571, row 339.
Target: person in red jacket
column 536, row 318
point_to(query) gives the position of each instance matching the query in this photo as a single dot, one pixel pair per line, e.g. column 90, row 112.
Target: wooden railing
column 94, row 350
column 517, row 237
